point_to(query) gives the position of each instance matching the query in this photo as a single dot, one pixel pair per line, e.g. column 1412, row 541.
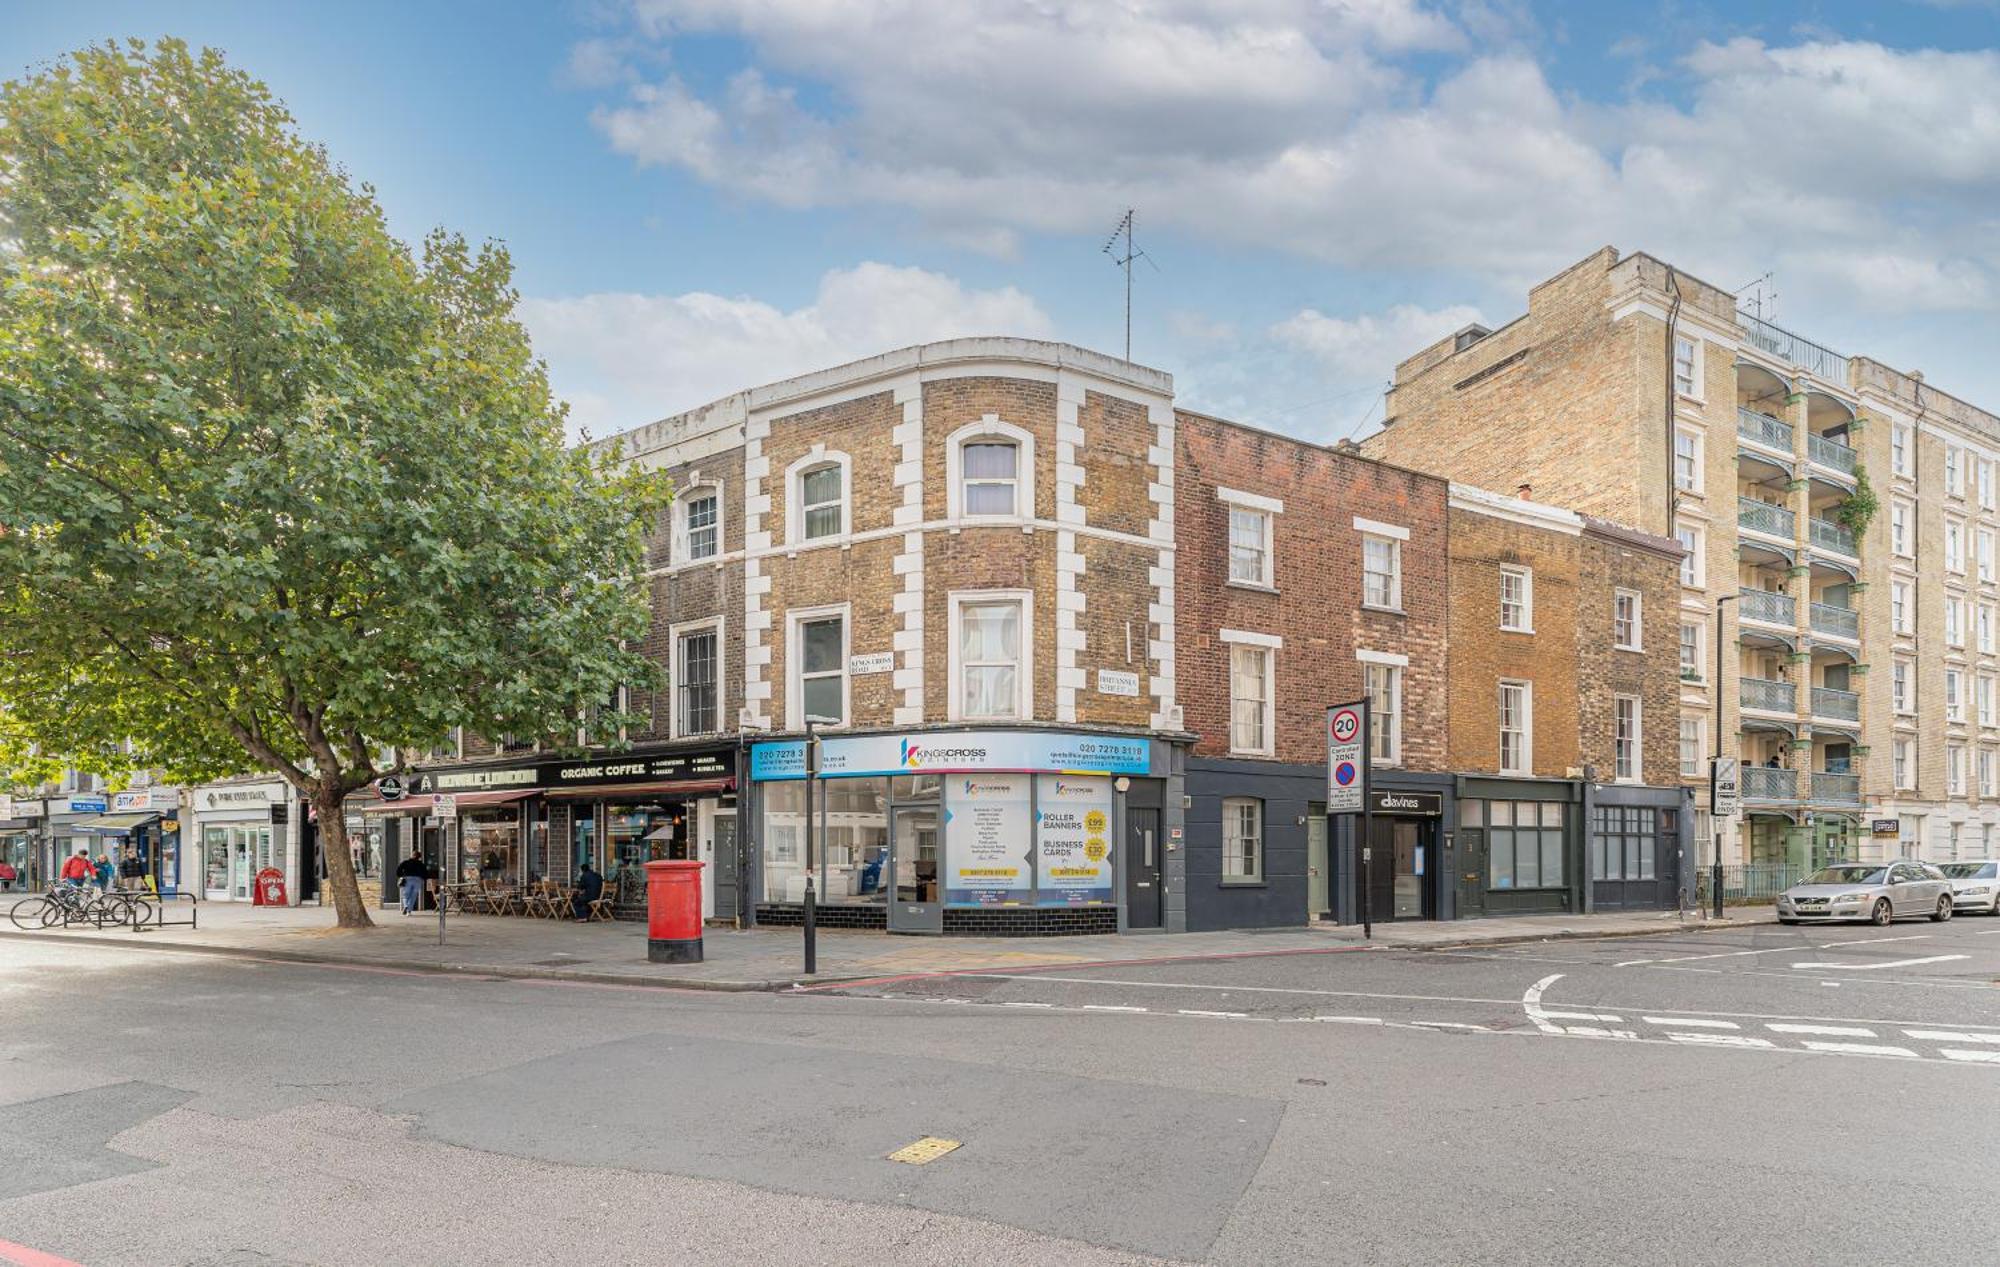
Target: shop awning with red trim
column 663, row 787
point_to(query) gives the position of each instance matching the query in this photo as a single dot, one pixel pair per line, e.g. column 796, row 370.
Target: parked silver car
column 1874, row 891
column 1975, row 886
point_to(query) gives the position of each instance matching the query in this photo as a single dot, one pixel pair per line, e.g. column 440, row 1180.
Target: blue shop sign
column 952, row 751
column 88, row 804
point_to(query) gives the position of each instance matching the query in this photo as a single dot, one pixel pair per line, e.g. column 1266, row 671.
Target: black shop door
column 1402, row 872
column 1142, row 868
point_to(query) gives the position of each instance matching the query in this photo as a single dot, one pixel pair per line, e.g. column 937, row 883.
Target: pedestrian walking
column 410, row 876
column 589, row 887
column 131, row 871
column 7, row 877
column 105, row 873
column 77, row 872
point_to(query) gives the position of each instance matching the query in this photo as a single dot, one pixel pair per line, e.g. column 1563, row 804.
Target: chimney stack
column 1526, row 492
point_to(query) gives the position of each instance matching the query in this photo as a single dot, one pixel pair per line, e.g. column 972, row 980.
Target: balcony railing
column 1828, row 535
column 1830, row 453
column 1790, row 348
column 1769, row 607
column 1774, row 697
column 1763, row 517
column 1768, row 783
column 1839, row 789
column 1841, row 622
column 1839, row 705
column 1764, row 429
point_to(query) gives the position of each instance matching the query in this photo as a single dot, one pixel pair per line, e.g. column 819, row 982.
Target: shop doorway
column 1142, row 868
column 915, row 905
column 1400, row 876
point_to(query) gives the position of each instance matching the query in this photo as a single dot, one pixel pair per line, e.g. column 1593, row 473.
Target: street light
column 1715, row 876
column 811, row 919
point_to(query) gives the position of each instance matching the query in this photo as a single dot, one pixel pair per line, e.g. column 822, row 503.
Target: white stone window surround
column 1270, row 645
column 1398, row 690
column 697, row 487
column 1024, row 676
column 1696, row 365
column 1637, row 640
column 795, row 526
column 1524, row 728
column 1526, row 576
column 675, row 632
column 1257, row 504
column 990, row 428
column 1395, row 535
column 795, row 662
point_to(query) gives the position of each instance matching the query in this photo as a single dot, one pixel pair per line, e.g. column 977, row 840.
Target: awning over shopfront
column 620, row 791
column 18, row 824
column 115, row 824
column 426, row 805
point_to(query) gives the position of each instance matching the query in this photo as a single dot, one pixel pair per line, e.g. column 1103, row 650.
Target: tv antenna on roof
column 1124, row 261
column 1755, row 299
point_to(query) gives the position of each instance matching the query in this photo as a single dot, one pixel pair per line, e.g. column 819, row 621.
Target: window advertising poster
column 986, row 834
column 1073, row 840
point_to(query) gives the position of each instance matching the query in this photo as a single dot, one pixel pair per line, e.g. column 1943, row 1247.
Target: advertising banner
column 1073, row 840
column 986, row 834
column 958, row 750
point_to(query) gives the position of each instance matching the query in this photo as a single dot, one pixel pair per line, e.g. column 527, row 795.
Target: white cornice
column 1480, row 501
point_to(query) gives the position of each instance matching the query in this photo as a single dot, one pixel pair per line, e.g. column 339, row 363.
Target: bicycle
column 68, row 904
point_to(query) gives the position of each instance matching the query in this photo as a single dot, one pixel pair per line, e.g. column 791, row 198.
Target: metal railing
column 1828, row 535
column 1790, row 348
column 1841, row 622
column 1770, row 783
column 1830, row 453
column 1776, row 697
column 1757, row 881
column 1764, row 517
column 1764, row 429
column 1839, row 705
column 1839, row 789
column 1768, row 606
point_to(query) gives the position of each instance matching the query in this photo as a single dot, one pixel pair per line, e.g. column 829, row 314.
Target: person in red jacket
column 77, row 872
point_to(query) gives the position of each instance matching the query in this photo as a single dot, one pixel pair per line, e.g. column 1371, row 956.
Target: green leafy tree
column 276, row 492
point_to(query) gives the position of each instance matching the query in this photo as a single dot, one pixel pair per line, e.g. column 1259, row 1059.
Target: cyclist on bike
column 77, row 871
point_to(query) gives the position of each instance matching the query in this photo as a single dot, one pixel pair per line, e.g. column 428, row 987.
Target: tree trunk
column 340, row 879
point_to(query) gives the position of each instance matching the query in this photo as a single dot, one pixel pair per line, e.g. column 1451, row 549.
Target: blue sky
column 704, row 194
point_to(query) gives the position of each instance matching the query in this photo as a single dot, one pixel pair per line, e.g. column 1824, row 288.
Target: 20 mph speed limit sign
column 1346, row 757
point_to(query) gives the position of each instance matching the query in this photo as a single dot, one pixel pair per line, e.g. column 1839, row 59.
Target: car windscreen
column 1846, row 875
column 1972, row 870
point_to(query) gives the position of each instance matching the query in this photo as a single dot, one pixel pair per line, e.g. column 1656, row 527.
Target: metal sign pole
column 1347, row 790
column 1367, row 832
column 811, row 918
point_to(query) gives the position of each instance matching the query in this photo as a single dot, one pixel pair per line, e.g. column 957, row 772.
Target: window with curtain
column 1242, row 838
column 1250, row 699
column 992, row 475
column 823, row 668
column 822, row 502
column 1384, row 683
column 1249, row 546
column 989, row 660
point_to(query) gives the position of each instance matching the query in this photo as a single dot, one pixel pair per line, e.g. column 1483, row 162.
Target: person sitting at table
column 589, row 887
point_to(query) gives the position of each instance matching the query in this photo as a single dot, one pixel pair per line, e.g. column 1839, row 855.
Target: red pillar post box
column 673, row 912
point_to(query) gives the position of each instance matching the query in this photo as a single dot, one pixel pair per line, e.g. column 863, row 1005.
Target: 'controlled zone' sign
column 1346, row 757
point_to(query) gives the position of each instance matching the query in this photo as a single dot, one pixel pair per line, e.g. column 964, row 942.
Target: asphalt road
column 1773, row 1095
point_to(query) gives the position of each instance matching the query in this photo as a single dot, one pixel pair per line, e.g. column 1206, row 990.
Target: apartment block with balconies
column 1849, row 678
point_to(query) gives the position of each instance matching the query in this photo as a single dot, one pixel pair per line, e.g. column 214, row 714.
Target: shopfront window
column 851, row 835
column 1524, row 844
column 636, row 834
column 1624, row 842
column 583, row 841
column 490, row 846
column 364, row 843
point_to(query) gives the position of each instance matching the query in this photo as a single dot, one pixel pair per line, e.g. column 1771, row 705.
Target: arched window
column 992, row 471
column 699, row 510
column 819, row 486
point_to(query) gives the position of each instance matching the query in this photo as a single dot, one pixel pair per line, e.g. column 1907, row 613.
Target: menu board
column 986, row 833
column 1073, row 840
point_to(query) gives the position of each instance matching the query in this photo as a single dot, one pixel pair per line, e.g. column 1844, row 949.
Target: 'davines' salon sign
column 558, row 774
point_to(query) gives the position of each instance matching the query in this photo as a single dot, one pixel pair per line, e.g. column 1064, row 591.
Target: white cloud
column 622, row 360
column 1307, row 125
column 1369, row 346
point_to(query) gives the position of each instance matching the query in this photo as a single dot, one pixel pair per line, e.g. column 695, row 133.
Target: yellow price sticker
column 1093, row 849
column 1095, row 821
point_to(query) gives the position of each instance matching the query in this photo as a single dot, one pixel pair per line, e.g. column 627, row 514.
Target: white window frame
column 676, row 726
column 1954, row 545
column 1267, row 739
column 990, row 429
column 1393, row 666
column 1954, row 769
column 1983, row 626
column 795, row 511
column 1394, row 544
column 1700, row 665
column 1265, row 564
column 1985, row 555
column 1954, row 471
column 1984, row 688
column 1693, row 457
column 1902, row 529
column 1902, row 608
column 1903, row 764
column 1693, row 566
column 1232, row 817
column 1988, row 785
column 683, row 549
column 795, row 620
column 1638, row 639
column 1692, row 390
column 1954, row 695
column 1900, row 438
column 1024, row 676
column 1985, row 483
column 1526, row 600
column 1902, row 686
column 1525, row 759
column 1954, row 621
column 1628, row 754
column 1692, row 731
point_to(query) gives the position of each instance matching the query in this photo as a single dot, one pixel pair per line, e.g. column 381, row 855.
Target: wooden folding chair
column 602, row 907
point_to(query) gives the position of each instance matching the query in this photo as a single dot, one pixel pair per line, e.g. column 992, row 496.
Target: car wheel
column 1943, row 911
column 1881, row 914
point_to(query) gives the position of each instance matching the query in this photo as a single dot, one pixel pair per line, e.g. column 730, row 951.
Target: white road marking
column 1835, row 1031
column 1726, row 954
column 1877, row 967
column 1337, row 1020
column 1232, row 1016
column 1693, row 1022
column 1860, row 1049
column 1950, row 1036
column 1983, row 1057
column 1871, row 941
column 1017, row 1003
column 1723, row 1040
column 1596, row 1031
column 1582, row 1016
column 1531, row 1003
column 1450, row 1025
column 1110, row 1007
column 1630, row 962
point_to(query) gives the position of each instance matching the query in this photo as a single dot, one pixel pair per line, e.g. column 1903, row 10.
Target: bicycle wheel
column 29, row 913
column 138, row 911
